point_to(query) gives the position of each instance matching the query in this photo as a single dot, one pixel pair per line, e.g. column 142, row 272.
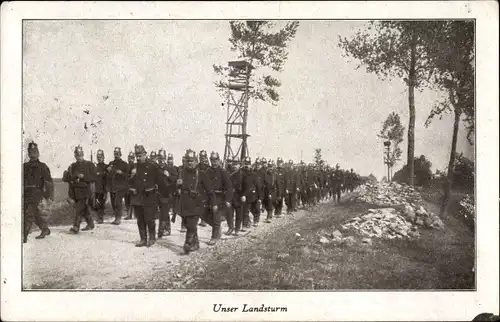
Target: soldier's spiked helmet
column 32, row 147
column 263, row 161
column 139, row 150
column 290, row 161
column 162, row 154
column 170, row 156
column 337, row 166
column 100, row 153
column 279, row 161
column 257, row 160
column 190, row 155
column 78, row 150
column 229, row 161
column 203, row 155
column 247, row 161
column 131, row 156
column 214, row 156
column 152, row 155
column 270, row 163
column 118, row 151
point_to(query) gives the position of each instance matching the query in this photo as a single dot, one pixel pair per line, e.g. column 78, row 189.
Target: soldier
column 233, row 168
column 222, row 187
column 81, row 176
column 100, row 186
column 166, row 191
column 261, row 178
column 178, row 195
column 256, row 206
column 195, row 188
column 280, row 188
column 144, row 181
column 131, row 165
column 291, row 188
column 270, row 191
column 153, row 157
column 118, row 171
column 249, row 193
column 38, row 184
column 203, row 166
column 338, row 181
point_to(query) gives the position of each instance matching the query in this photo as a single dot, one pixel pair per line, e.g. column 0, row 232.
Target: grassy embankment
column 278, row 259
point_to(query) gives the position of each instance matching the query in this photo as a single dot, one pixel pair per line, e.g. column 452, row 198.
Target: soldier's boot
column 100, row 218
column 45, row 232
column 26, row 232
column 118, row 219
column 161, row 229
column 143, row 236
column 152, row 234
column 277, row 213
column 216, row 234
column 73, row 230
column 183, row 228
column 195, row 245
column 129, row 214
column 168, row 229
column 229, row 231
column 269, row 216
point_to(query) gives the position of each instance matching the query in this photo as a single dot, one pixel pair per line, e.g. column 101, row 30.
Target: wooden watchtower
column 237, row 110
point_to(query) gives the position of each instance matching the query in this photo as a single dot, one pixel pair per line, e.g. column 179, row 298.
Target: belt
column 30, row 186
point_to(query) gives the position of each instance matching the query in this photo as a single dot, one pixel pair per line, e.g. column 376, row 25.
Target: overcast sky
column 151, row 83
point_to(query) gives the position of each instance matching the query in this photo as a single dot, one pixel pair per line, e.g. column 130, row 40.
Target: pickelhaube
column 337, row 166
column 118, row 151
column 279, row 162
column 290, row 161
column 78, row 150
column 257, row 160
column 203, row 154
column 263, row 161
column 170, row 156
column 131, row 156
column 139, row 149
column 190, row 155
column 214, row 156
column 162, row 154
column 32, row 146
column 247, row 161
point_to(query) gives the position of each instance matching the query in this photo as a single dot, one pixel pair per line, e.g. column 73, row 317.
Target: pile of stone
column 404, row 198
column 384, row 223
column 389, row 194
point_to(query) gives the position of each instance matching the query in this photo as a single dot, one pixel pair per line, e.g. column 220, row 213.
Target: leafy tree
column 423, row 173
column 453, row 58
column 392, row 131
column 463, row 172
column 396, row 49
column 259, row 43
column 318, row 159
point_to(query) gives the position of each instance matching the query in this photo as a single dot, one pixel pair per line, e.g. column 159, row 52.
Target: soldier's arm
column 228, row 186
column 207, row 186
column 48, row 183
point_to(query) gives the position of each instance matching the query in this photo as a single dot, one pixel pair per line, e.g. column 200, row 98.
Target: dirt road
column 106, row 257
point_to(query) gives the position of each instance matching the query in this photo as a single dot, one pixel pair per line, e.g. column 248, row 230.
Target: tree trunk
column 411, row 104
column 451, row 163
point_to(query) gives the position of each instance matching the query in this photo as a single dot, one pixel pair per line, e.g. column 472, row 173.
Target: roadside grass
column 279, row 260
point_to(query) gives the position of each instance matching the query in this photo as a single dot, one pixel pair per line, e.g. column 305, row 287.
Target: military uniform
column 195, row 189
column 81, row 176
column 203, row 166
column 280, row 186
column 38, row 184
column 270, row 191
column 128, row 207
column 338, row 181
column 100, row 186
column 144, row 181
column 221, row 184
column 118, row 182
column 291, row 187
column 251, row 191
column 166, row 190
column 256, row 205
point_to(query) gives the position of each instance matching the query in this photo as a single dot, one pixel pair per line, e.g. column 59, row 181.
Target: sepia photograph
column 276, row 155
column 249, row 154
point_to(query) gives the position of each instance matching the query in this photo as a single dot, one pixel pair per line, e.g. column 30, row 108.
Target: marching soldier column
column 192, row 191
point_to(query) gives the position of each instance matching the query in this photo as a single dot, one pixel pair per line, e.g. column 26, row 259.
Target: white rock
column 324, row 240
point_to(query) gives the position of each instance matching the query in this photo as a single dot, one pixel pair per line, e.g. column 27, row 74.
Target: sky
column 151, row 83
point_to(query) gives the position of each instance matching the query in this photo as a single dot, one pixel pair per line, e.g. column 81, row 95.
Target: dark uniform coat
column 221, row 184
column 100, row 179
column 118, row 182
column 196, row 189
column 80, row 188
column 145, row 181
column 38, row 183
